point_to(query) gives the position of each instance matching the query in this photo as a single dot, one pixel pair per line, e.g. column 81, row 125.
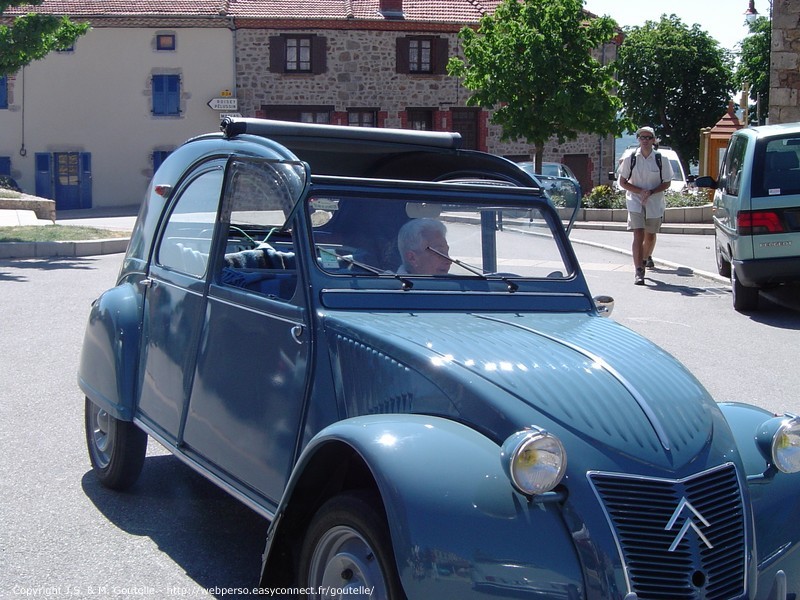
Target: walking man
column 645, row 177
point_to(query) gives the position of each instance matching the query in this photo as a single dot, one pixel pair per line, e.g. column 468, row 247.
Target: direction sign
column 224, row 103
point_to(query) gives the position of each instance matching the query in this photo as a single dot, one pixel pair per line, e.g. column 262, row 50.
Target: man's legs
column 637, row 250
column 648, row 245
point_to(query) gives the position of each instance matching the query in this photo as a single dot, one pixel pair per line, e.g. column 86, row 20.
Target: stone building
column 784, row 80
column 382, row 63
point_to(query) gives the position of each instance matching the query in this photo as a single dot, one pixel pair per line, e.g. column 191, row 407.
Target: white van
column 679, row 181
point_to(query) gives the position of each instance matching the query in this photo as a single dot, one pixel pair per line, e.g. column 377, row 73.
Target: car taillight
column 759, row 221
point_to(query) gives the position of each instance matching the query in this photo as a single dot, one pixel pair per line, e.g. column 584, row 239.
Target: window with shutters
column 300, row 54
column 422, row 55
column 166, row 95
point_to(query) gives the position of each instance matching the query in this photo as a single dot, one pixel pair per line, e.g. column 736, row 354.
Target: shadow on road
column 214, row 538
column 44, row 264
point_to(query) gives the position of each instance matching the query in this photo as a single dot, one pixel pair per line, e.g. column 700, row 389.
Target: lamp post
column 751, row 14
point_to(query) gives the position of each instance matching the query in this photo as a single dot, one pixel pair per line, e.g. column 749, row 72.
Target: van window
column 781, row 172
column 730, row 179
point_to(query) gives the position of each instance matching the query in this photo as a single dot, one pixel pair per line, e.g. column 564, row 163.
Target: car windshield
column 361, row 235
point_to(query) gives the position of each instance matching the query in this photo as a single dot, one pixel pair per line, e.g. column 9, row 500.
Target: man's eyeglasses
column 645, row 137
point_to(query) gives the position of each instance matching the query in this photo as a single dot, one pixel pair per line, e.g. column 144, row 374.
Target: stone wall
column 784, row 81
column 44, row 209
column 361, row 73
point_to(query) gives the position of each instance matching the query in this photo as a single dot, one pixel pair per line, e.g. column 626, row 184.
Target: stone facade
column 361, row 74
column 784, row 81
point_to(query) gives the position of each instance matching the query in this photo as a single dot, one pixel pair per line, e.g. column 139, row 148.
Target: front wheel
column 116, row 448
column 723, row 266
column 347, row 552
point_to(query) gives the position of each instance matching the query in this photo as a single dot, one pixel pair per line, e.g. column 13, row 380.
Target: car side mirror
column 604, row 305
column 706, row 181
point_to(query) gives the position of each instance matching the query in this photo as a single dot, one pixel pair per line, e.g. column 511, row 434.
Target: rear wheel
column 347, row 551
column 744, row 298
column 116, row 448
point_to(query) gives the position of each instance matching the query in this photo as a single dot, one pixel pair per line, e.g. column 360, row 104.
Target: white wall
column 97, row 99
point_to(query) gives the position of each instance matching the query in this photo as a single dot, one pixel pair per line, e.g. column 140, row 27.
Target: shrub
column 604, row 196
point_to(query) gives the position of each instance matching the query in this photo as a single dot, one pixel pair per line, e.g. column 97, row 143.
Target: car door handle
column 147, row 283
column 297, row 334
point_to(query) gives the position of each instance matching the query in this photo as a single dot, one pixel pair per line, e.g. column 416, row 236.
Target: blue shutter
column 86, row 180
column 3, row 92
column 166, row 94
column 5, row 166
column 159, row 156
column 44, row 180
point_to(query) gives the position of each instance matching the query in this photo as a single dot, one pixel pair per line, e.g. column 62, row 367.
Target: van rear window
column 781, row 167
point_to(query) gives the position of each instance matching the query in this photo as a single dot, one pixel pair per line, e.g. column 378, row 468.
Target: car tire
column 117, row 448
column 744, row 298
column 723, row 266
column 347, row 546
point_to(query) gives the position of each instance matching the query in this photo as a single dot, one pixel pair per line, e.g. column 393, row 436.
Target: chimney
column 391, row 9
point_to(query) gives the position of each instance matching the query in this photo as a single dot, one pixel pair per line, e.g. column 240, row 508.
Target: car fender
column 110, row 351
column 446, row 500
column 775, row 499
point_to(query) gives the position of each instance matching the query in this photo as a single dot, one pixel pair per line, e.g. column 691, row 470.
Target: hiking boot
column 649, row 263
column 639, row 277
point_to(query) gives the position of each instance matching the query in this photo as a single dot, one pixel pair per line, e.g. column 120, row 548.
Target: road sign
column 224, row 103
column 232, row 115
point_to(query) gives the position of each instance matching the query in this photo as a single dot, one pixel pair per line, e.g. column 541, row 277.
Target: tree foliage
column 753, row 67
column 676, row 79
column 32, row 36
column 531, row 62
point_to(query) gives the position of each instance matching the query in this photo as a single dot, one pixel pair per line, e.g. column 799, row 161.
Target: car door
column 174, row 301
column 252, row 369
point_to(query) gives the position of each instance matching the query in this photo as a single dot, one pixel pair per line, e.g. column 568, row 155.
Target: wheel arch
column 434, row 477
column 110, row 351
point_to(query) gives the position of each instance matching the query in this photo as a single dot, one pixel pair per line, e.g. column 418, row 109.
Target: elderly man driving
column 421, row 243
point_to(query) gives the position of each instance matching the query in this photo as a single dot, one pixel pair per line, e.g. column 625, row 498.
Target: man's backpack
column 658, row 162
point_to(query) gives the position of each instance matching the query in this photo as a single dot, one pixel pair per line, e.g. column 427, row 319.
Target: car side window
column 734, row 161
column 186, row 241
column 259, row 250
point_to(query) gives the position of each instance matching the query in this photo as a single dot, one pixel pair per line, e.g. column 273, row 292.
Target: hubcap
column 102, row 431
column 345, row 566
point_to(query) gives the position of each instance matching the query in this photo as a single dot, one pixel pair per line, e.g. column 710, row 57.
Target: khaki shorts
column 636, row 220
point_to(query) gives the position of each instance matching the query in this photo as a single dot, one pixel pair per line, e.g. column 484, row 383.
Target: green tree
column 676, row 79
column 32, row 36
column 753, row 67
column 531, row 62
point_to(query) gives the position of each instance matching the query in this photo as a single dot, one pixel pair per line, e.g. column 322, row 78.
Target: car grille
column 673, row 563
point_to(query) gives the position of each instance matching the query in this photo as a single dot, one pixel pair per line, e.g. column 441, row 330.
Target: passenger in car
column 421, row 243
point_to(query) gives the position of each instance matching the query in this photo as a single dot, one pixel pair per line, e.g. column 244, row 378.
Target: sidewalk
column 685, row 245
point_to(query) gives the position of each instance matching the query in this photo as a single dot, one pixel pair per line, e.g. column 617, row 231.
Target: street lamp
column 751, row 14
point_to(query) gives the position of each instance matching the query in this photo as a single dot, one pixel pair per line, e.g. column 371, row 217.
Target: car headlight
column 779, row 441
column 534, row 460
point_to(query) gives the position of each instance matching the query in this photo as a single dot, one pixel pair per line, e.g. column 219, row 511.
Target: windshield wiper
column 407, row 283
column 512, row 285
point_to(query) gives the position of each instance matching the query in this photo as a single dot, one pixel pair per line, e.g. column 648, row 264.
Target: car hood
column 576, row 374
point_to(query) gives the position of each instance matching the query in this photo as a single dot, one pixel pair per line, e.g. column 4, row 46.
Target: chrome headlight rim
column 785, row 440
column 538, row 450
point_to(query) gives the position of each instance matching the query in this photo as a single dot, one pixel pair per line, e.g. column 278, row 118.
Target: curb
column 63, row 249
column 669, row 264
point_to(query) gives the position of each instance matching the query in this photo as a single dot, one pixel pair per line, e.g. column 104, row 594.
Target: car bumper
column 761, row 272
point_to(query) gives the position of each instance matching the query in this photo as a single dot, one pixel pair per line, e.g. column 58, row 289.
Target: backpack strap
column 658, row 162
